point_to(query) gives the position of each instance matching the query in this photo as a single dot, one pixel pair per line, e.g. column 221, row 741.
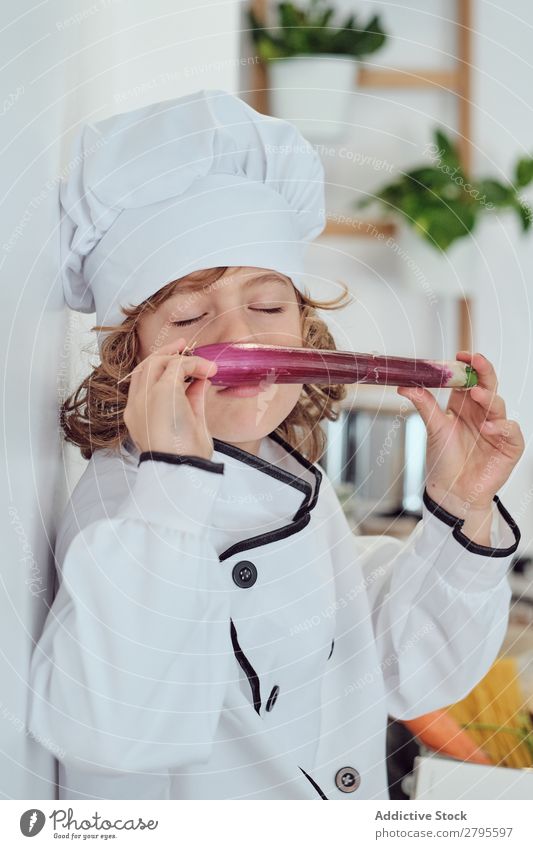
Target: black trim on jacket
column 310, row 496
column 182, row 459
column 304, row 462
column 267, row 537
column 302, row 516
column 315, row 785
column 456, row 523
column 276, row 472
column 251, row 674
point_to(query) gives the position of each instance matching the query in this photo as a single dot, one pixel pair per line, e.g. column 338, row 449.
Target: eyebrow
column 194, row 285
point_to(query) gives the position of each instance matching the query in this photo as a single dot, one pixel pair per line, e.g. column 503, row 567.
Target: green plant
column 442, row 204
column 308, row 31
column 524, row 732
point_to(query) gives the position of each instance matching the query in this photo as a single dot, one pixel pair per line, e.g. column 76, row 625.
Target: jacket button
column 244, row 574
column 347, row 779
column 272, row 698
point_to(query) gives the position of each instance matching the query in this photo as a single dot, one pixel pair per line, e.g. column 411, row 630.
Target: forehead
column 241, row 277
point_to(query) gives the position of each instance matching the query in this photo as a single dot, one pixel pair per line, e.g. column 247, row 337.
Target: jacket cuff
column 468, row 572
column 175, row 490
column 505, row 533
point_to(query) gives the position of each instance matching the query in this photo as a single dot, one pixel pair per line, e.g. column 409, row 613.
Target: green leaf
column 267, row 48
column 348, row 24
column 325, row 18
column 371, row 38
column 364, row 202
column 309, row 30
column 442, row 205
column 448, row 153
column 524, row 172
column 291, row 16
column 525, row 214
column 428, row 177
column 445, row 224
column 496, row 193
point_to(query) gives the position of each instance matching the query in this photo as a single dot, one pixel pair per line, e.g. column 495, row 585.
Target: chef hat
column 180, row 185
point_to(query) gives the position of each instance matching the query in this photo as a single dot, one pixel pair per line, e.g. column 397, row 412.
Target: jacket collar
column 276, row 458
column 282, row 462
column 274, row 493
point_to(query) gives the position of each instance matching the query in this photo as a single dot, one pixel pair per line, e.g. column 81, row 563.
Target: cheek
column 289, row 394
column 153, row 333
column 287, row 332
column 146, row 334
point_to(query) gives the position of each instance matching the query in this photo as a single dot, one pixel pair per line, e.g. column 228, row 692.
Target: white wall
column 64, row 63
column 33, row 322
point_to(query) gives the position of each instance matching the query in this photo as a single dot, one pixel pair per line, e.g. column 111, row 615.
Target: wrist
column 477, row 527
column 458, row 505
column 476, row 521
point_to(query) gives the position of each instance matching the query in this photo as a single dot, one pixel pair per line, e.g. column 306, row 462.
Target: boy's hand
column 164, row 411
column 472, row 447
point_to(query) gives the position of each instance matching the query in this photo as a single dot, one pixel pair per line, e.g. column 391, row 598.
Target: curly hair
column 92, row 416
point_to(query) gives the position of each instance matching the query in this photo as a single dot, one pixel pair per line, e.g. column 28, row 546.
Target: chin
column 244, row 426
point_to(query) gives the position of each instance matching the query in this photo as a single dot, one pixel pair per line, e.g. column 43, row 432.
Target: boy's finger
column 493, row 405
column 169, row 346
column 176, row 346
column 196, row 396
column 507, row 430
column 153, row 368
column 427, row 406
column 485, row 370
column 187, row 366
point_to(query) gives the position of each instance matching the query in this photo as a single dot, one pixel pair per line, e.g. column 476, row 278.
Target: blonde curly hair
column 92, row 416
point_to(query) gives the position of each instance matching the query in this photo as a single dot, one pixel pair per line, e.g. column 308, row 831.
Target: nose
column 234, row 326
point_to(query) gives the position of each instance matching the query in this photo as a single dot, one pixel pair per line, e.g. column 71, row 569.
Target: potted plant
column 440, row 207
column 311, row 63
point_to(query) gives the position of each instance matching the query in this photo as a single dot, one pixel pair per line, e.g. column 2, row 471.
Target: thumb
column 427, row 406
column 195, row 395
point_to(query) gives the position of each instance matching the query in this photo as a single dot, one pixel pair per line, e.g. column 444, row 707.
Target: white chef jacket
column 220, row 632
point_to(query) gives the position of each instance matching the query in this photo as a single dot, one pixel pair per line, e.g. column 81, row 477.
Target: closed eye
column 192, row 320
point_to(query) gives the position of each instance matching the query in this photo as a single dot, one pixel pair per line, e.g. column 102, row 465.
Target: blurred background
column 422, row 115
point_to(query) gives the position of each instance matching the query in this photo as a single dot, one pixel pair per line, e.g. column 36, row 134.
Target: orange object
column 439, row 731
column 495, row 714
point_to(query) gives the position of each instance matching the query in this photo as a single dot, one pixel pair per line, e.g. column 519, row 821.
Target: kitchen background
column 461, row 67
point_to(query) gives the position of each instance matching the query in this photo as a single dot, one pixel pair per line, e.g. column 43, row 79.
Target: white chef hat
column 180, row 185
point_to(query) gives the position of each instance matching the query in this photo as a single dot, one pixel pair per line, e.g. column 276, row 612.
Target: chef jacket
column 220, row 632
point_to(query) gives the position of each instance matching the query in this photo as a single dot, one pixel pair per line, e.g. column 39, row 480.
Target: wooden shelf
column 374, row 78
column 405, row 78
column 357, row 227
